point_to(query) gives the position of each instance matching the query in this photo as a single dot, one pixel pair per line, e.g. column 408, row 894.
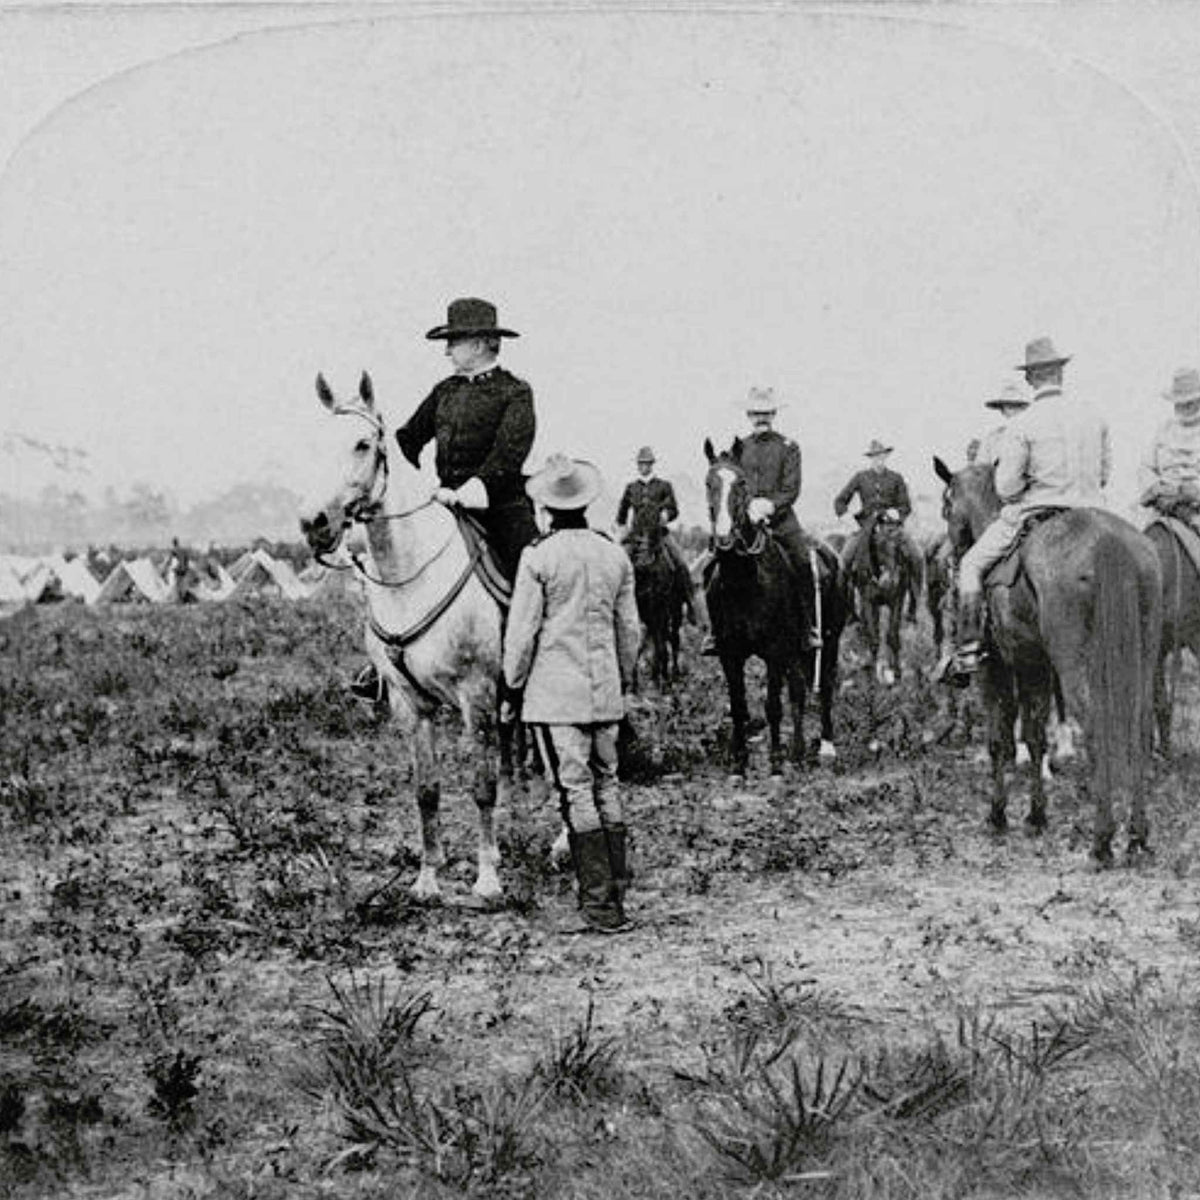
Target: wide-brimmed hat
column 564, row 483
column 645, row 454
column 1185, row 386
column 1041, row 353
column 1011, row 396
column 761, row 400
column 876, row 447
column 469, row 317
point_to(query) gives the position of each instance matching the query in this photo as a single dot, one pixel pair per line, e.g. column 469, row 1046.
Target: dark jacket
column 876, row 491
column 646, row 499
column 771, row 464
column 483, row 427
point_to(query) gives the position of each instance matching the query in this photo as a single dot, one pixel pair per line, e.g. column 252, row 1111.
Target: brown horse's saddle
column 487, row 567
column 1007, row 571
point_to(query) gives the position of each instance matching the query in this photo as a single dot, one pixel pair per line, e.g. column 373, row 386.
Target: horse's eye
column 362, row 447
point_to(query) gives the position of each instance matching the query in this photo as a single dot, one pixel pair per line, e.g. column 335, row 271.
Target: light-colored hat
column 761, row 400
column 645, row 454
column 564, row 483
column 876, row 447
column 1011, row 396
column 1185, row 386
column 1041, row 353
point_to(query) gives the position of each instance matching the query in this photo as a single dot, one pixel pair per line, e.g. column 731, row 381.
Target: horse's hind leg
column 798, row 695
column 1002, row 716
column 827, row 689
column 774, row 710
column 429, row 804
column 1035, row 700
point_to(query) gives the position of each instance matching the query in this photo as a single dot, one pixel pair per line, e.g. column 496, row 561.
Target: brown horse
column 885, row 581
column 660, row 600
column 1086, row 605
column 1181, row 622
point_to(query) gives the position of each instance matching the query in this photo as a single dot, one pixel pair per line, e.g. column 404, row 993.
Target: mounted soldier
column 1054, row 455
column 647, row 508
column 1169, row 474
column 1011, row 400
column 771, row 464
column 882, row 493
column 482, row 420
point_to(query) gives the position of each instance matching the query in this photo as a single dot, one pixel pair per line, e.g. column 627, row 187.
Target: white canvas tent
column 42, row 584
column 322, row 581
column 220, row 589
column 264, row 575
column 134, row 580
column 78, row 581
column 11, row 591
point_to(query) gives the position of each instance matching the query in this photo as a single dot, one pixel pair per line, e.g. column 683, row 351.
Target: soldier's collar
column 483, row 375
column 1051, row 389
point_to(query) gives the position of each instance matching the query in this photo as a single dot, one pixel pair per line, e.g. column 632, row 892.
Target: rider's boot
column 961, row 663
column 369, row 685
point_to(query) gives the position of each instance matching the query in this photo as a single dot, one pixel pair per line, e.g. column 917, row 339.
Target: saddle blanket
column 1187, row 537
column 486, row 566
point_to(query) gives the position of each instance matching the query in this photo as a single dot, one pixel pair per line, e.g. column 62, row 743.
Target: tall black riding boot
column 597, row 890
column 619, row 862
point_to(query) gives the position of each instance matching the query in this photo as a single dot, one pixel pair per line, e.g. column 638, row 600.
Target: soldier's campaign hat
column 470, row 317
column 877, row 447
column 645, row 454
column 1011, row 396
column 564, row 483
column 1184, row 387
column 761, row 400
column 1041, row 353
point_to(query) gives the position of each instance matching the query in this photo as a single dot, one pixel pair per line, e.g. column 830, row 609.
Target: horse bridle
column 365, row 509
column 736, row 542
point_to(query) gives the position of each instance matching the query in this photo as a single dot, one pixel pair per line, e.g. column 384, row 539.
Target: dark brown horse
column 939, row 587
column 1087, row 605
column 660, row 599
column 884, row 582
column 757, row 610
column 1181, row 622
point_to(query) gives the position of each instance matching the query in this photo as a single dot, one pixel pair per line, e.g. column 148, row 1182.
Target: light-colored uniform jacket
column 1054, row 454
column 573, row 629
column 1171, row 460
column 991, row 443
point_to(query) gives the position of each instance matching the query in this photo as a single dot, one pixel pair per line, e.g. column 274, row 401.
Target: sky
column 869, row 210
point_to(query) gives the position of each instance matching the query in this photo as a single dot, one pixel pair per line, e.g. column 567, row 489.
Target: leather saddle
column 487, row 567
column 1007, row 571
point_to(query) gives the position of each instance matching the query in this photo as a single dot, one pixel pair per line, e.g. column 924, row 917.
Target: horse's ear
column 735, row 451
column 366, row 390
column 709, row 452
column 325, row 393
column 943, row 472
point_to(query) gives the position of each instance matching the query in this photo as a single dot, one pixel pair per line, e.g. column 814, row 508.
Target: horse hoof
column 1035, row 827
column 997, row 826
column 426, row 893
column 1137, row 854
column 737, row 781
column 827, row 752
column 875, row 746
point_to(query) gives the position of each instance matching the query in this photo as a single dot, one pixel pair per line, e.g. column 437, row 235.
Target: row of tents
column 137, row 580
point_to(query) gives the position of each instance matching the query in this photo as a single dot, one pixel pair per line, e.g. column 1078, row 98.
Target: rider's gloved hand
column 760, row 510
column 446, row 496
column 892, row 514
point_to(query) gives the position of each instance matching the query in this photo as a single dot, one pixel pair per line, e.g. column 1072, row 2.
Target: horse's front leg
column 428, row 803
column 895, row 619
column 797, row 684
column 827, row 689
column 735, row 681
column 482, row 740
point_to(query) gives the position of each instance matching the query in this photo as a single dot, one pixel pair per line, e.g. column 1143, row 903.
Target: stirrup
column 960, row 664
column 368, row 685
column 708, row 647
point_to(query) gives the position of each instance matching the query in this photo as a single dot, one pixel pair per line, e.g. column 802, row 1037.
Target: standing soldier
column 1169, row 475
column 647, row 505
column 482, row 421
column 771, row 465
column 572, row 646
column 880, row 491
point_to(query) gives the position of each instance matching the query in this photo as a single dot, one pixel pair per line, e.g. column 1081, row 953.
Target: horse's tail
column 1120, row 671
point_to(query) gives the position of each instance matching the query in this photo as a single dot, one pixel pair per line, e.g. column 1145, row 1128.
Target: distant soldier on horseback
column 648, row 506
column 771, row 464
column 1169, row 474
column 1054, row 455
column 1010, row 401
column 482, row 420
column 881, row 492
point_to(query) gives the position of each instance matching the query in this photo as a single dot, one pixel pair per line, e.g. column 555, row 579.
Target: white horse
column 432, row 630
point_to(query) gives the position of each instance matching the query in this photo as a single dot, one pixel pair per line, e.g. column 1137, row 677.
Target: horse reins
column 365, row 512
